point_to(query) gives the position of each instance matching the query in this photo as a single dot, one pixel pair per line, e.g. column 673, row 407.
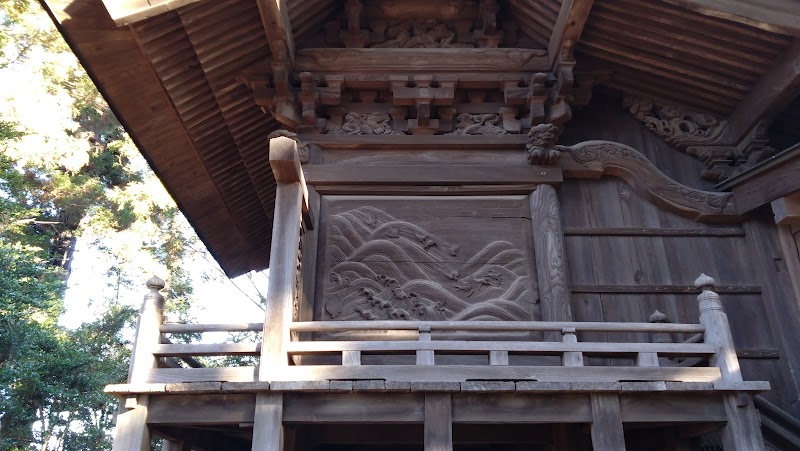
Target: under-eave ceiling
column 676, row 55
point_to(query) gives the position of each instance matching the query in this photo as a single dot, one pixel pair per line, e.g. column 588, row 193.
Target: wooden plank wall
column 627, row 259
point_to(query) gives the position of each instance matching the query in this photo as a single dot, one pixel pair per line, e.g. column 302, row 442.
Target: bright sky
column 217, row 301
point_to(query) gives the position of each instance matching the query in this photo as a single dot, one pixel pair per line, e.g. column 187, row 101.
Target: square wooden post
column 743, row 431
column 290, row 198
column 438, row 422
column 607, row 431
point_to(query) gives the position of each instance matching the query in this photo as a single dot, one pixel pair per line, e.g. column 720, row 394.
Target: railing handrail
column 182, row 328
column 494, row 326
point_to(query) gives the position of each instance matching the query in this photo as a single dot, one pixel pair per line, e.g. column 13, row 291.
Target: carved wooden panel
column 426, row 258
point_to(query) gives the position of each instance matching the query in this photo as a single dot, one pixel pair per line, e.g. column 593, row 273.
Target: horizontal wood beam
column 777, row 16
column 777, row 177
column 773, row 93
column 125, row 12
column 787, row 209
column 431, row 175
column 408, row 408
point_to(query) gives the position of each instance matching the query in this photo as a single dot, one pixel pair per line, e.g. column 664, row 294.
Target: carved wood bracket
column 593, row 159
column 420, row 104
column 703, row 136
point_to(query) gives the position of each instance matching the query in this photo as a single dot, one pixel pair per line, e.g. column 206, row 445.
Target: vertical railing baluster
column 148, row 333
column 650, row 359
column 425, row 357
column 570, row 358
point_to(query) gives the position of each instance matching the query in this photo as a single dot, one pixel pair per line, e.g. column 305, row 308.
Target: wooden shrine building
column 489, row 224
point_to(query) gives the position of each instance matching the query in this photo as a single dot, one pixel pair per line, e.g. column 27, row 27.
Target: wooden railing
column 320, row 350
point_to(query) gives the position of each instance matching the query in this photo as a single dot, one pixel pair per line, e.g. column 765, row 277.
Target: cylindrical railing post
column 651, row 358
column 718, row 331
column 148, row 335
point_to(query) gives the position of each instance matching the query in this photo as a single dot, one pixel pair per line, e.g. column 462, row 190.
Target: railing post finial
column 705, row 283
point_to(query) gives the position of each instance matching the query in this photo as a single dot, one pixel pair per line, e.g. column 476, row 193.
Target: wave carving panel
column 382, row 268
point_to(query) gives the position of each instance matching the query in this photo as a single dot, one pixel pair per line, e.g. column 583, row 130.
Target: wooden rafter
column 568, row 27
column 776, row 89
column 275, row 17
column 125, row 12
column 778, row 16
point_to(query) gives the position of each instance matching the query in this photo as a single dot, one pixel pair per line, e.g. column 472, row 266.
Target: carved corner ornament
column 593, row 159
column 541, row 147
column 702, row 136
column 302, row 146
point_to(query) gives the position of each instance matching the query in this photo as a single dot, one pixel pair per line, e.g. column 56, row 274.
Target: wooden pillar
column 268, row 422
column 131, row 432
column 551, row 264
column 289, row 197
column 438, row 422
column 607, row 432
column 570, row 358
column 743, row 431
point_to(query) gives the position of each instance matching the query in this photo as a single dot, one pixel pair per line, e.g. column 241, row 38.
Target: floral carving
column 366, row 124
column 478, row 124
column 541, row 147
column 423, row 33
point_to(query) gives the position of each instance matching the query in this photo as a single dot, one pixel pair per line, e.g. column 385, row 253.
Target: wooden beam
column 787, row 209
column 275, row 18
column 568, row 28
column 432, row 175
column 777, row 16
column 131, row 433
column 126, row 12
column 776, row 89
column 777, row 177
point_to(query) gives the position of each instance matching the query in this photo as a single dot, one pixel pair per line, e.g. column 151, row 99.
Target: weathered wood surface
column 268, row 434
column 770, row 15
column 778, row 177
column 281, row 288
column 151, row 315
column 483, row 347
column 548, row 243
column 626, row 278
column 787, row 209
column 484, row 326
column 131, row 432
column 128, row 12
column 438, row 422
column 421, row 60
column 568, row 28
column 606, row 426
column 431, row 175
column 598, row 158
column 425, row 258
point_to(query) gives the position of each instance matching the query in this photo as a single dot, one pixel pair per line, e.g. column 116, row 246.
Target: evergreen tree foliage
column 68, row 171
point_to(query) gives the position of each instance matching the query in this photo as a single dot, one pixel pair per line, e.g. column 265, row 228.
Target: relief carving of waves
column 387, row 269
